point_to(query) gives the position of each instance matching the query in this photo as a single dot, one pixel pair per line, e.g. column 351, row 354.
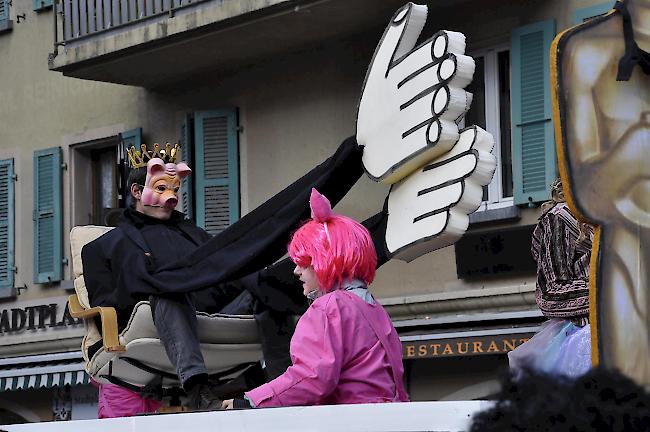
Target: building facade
column 257, row 92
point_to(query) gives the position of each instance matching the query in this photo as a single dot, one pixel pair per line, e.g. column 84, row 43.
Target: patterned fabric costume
column 563, row 344
column 562, row 265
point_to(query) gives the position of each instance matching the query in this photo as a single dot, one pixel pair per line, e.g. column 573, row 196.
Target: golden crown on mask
column 139, row 158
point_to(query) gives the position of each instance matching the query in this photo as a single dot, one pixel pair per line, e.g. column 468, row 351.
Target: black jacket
column 125, row 248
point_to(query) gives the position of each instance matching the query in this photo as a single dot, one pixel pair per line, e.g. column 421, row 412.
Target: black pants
column 176, row 322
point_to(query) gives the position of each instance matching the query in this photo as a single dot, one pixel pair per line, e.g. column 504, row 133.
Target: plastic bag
column 559, row 348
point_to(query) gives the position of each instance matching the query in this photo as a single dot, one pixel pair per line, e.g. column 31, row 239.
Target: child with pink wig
column 345, row 348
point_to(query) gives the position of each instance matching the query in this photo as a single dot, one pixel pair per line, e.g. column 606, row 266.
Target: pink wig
column 338, row 247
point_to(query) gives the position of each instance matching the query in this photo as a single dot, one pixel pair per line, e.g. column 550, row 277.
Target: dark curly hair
column 600, row 400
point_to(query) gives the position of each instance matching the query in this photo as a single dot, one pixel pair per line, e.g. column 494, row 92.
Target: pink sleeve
column 316, row 353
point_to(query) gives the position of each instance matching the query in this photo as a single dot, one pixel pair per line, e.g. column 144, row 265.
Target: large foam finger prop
column 429, row 209
column 412, row 97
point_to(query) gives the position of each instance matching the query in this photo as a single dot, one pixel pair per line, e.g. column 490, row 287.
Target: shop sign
column 496, row 253
column 36, row 317
column 463, row 346
column 38, row 320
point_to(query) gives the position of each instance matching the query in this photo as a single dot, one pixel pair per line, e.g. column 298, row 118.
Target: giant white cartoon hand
column 411, row 102
column 429, row 209
column 412, row 98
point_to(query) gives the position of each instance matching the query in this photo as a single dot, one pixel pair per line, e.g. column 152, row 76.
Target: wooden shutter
column 39, row 5
column 187, row 186
column 130, row 138
column 217, row 169
column 48, row 251
column 533, row 142
column 584, row 14
column 4, row 10
column 7, row 228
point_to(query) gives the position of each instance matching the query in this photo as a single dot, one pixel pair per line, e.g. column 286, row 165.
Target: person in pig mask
column 156, row 254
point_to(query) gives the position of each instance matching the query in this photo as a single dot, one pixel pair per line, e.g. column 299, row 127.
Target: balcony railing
column 81, row 18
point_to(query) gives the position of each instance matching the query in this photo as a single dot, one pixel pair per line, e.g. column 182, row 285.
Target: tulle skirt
column 559, row 348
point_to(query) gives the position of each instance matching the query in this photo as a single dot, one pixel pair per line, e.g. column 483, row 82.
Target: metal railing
column 75, row 19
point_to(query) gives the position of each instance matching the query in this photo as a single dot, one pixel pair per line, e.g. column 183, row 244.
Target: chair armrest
column 108, row 317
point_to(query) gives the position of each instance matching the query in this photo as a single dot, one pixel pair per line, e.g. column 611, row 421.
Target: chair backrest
column 79, row 237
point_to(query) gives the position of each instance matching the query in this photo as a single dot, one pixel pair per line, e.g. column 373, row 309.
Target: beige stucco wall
column 294, row 111
column 37, row 109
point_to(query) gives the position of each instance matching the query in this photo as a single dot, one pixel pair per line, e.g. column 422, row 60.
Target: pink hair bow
column 321, row 209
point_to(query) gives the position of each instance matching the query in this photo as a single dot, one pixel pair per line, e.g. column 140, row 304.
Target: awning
column 42, row 371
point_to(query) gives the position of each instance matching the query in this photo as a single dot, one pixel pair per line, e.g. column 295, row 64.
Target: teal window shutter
column 217, row 169
column 4, row 15
column 40, row 5
column 128, row 138
column 584, row 14
column 533, row 141
column 48, row 250
column 7, row 251
column 187, row 186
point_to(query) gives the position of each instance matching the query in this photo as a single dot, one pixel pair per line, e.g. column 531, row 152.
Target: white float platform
column 393, row 417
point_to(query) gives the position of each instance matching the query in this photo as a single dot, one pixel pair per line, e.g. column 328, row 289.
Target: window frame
column 495, row 200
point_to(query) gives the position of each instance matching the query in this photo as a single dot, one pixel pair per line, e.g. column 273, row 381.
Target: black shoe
column 203, row 398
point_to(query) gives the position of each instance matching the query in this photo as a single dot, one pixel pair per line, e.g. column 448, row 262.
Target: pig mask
column 163, row 182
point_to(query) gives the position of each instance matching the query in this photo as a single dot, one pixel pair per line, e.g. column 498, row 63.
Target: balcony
column 156, row 43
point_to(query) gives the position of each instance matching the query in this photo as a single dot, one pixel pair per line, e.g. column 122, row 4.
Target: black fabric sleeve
column 98, row 276
column 259, row 238
column 238, row 403
column 100, row 285
column 276, row 286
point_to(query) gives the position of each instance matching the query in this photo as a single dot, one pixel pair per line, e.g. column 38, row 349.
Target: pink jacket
column 338, row 358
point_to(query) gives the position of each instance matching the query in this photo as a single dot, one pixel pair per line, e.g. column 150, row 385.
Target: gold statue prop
column 601, row 104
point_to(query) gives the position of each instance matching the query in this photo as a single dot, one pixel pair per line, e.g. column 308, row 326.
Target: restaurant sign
column 463, row 346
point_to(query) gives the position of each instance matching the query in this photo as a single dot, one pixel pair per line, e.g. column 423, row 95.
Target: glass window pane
column 476, row 113
column 504, row 122
column 104, row 182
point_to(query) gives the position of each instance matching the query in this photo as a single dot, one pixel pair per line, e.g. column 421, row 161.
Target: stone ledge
column 504, row 214
column 497, row 299
column 41, row 347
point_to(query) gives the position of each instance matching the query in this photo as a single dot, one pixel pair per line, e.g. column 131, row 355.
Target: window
column 104, row 183
column 97, row 182
column 491, row 110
